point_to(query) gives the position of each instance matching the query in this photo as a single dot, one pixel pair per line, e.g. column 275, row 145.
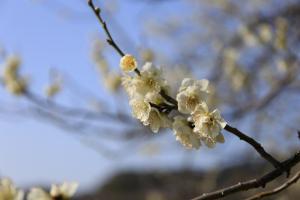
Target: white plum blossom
column 150, row 80
column 140, row 109
column 184, row 133
column 38, row 194
column 64, row 191
column 128, row 63
column 8, row 191
column 157, row 120
column 127, row 83
column 208, row 124
column 210, row 142
column 144, row 93
column 191, row 93
column 153, row 108
column 149, row 116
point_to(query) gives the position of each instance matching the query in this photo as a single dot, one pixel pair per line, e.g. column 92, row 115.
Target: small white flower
column 38, row 194
column 65, row 190
column 191, row 93
column 157, row 120
column 128, row 86
column 8, row 191
column 154, row 98
column 140, row 109
column 128, row 63
column 207, row 124
column 149, row 116
column 150, row 80
column 211, row 142
column 184, row 133
column 149, row 83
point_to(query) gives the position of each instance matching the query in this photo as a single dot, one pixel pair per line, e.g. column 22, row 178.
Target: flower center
column 150, row 82
column 192, row 100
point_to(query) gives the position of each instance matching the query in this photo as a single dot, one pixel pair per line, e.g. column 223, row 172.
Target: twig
column 258, row 147
column 284, row 186
column 109, row 39
column 254, row 183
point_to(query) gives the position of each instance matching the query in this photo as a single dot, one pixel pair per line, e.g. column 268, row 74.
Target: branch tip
column 90, row 2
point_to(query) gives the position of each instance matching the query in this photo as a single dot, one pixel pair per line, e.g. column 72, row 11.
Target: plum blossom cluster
column 189, row 116
column 65, row 191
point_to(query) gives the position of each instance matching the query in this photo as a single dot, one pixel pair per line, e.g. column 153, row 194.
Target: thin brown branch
column 257, row 146
column 287, row 165
column 109, row 39
column 284, row 186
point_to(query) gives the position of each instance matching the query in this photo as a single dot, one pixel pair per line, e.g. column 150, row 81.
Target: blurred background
column 74, row 124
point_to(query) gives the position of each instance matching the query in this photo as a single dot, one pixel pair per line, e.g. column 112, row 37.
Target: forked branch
column 282, row 187
column 254, row 183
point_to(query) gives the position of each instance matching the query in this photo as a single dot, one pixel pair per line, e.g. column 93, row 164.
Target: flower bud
column 128, row 63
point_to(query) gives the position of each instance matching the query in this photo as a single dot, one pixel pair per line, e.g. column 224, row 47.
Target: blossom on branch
column 140, row 109
column 151, row 105
column 157, row 120
column 149, row 116
column 191, row 93
column 208, row 125
column 148, row 83
column 144, row 93
column 150, row 80
column 128, row 63
column 184, row 133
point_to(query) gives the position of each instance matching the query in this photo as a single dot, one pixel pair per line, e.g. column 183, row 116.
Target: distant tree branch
column 287, row 165
column 284, row 186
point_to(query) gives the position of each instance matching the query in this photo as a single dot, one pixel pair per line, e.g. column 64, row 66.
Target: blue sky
column 33, row 152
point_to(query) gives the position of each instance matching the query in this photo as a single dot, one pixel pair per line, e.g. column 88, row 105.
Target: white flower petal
column 38, row 194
